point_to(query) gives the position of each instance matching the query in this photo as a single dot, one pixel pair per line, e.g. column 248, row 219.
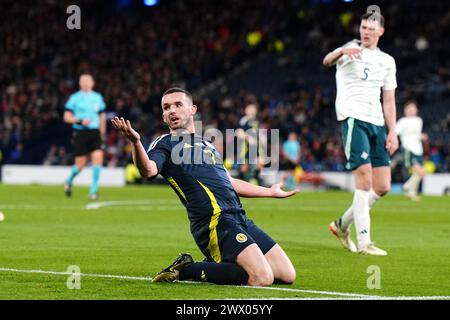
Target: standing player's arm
column 332, row 57
column 390, row 118
column 69, row 117
column 147, row 168
column 248, row 190
column 102, row 123
column 424, row 137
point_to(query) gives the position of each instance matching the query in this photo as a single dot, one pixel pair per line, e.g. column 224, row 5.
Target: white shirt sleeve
column 390, row 80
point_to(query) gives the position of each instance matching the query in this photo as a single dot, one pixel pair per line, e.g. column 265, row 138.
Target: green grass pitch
column 43, row 230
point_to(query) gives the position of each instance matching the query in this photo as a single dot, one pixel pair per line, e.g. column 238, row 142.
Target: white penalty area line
column 342, row 295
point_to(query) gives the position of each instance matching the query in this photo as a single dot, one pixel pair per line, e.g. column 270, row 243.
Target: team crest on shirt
column 241, row 238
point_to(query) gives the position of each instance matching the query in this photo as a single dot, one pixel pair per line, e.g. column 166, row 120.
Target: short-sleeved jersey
column 86, row 106
column 292, row 149
column 409, row 129
column 359, row 83
column 194, row 169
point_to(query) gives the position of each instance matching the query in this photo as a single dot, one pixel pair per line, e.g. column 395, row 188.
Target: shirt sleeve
column 102, row 104
column 390, row 80
column 159, row 155
column 70, row 104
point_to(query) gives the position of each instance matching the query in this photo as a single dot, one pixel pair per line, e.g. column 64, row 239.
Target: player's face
column 178, row 110
column 370, row 32
column 86, row 83
column 251, row 111
column 292, row 136
column 411, row 110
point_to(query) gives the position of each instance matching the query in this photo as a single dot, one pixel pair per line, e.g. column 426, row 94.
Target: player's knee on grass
column 255, row 264
column 262, row 278
column 287, row 275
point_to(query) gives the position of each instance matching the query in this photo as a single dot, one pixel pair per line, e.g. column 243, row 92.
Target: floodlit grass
column 44, row 230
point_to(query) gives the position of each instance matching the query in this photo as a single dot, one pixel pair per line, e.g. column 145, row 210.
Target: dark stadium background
column 228, row 53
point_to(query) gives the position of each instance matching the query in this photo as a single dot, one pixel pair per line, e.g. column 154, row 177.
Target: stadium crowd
column 135, row 53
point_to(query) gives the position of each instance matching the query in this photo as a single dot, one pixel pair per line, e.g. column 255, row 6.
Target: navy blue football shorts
column 223, row 240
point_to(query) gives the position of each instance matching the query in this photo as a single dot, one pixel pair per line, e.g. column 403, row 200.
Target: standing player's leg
column 355, row 138
column 347, row 218
column 361, row 209
column 97, row 161
column 411, row 186
column 80, row 163
column 381, row 181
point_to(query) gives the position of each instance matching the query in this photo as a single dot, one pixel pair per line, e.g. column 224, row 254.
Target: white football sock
column 361, row 216
column 414, row 182
column 347, row 217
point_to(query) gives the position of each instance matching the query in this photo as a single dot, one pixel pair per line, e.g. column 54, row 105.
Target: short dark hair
column 375, row 16
column 175, row 89
column 87, row 74
column 412, row 101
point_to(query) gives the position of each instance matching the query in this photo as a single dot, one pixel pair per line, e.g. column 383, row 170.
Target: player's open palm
column 277, row 192
column 124, row 126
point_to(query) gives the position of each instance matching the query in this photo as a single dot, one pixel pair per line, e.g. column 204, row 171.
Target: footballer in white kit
column 364, row 73
column 409, row 129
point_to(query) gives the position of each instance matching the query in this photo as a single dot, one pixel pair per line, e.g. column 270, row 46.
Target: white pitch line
column 353, row 298
column 96, row 205
column 330, row 293
column 249, row 207
column 77, row 274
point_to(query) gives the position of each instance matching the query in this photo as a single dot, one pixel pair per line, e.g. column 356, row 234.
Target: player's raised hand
column 391, row 142
column 277, row 192
column 352, row 53
column 124, row 126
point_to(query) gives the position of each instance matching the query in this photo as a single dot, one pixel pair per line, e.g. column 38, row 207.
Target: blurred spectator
column 137, row 53
column 290, row 159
